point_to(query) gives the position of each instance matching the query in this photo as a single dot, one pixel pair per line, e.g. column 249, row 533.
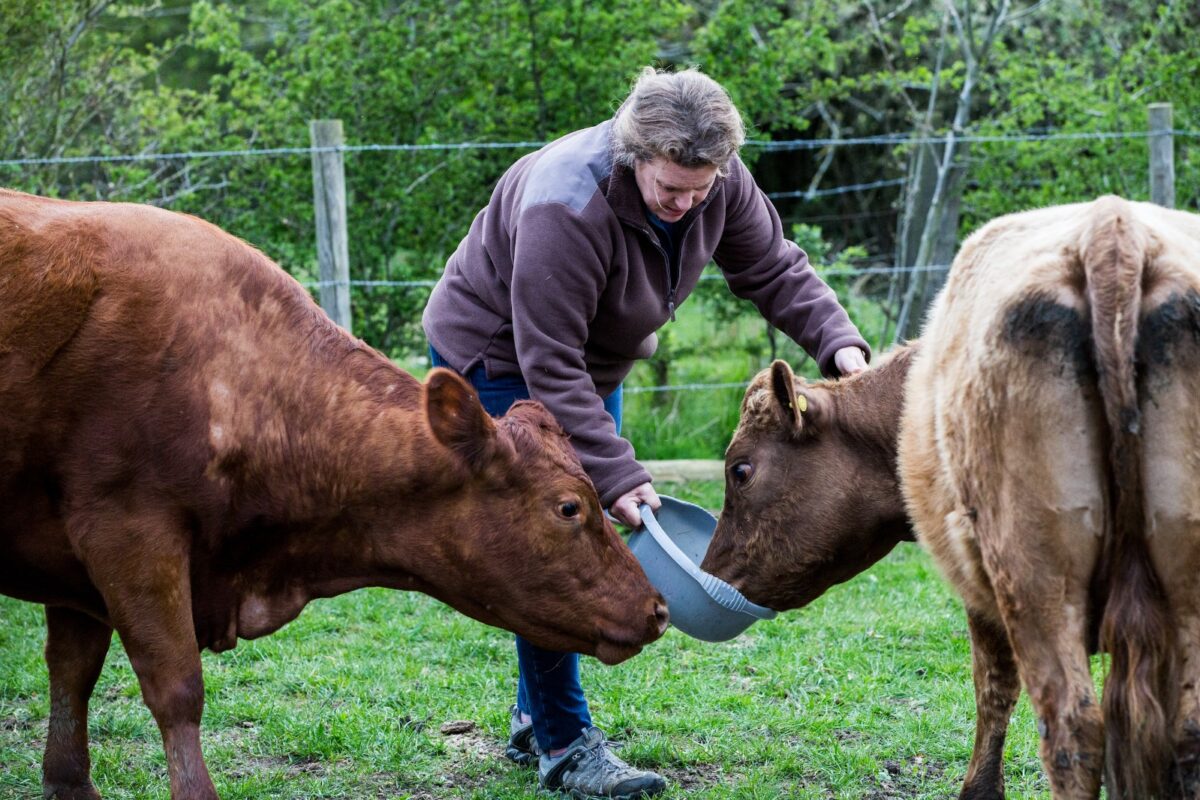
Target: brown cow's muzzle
column 616, row 646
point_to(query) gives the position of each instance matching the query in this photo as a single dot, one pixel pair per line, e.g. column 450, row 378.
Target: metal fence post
column 329, row 197
column 1162, row 155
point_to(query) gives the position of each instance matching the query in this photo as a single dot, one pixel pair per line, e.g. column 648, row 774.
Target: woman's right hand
column 625, row 508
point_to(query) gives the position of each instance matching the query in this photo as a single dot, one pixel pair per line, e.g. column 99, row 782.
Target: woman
column 586, row 248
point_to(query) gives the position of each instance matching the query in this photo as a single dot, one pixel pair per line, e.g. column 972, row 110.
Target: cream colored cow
column 1049, row 456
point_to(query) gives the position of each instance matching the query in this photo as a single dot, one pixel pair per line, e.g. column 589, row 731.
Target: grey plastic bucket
column 670, row 545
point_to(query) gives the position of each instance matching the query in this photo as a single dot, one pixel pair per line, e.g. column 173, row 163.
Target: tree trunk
column 936, row 232
column 922, row 284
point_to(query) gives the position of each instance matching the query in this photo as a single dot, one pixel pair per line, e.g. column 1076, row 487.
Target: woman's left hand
column 850, row 360
column 626, row 507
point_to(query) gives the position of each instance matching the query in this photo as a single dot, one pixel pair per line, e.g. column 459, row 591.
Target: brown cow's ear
column 457, row 419
column 790, row 403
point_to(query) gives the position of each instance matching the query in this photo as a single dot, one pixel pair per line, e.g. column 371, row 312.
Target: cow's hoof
column 1184, row 780
column 982, row 790
column 73, row 792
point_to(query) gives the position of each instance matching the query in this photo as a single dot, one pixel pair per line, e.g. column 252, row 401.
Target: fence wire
column 768, row 146
column 707, row 276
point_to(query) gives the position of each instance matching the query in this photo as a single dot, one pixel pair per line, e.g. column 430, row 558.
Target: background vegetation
column 152, row 77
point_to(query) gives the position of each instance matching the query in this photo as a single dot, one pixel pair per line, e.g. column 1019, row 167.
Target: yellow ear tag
column 801, row 403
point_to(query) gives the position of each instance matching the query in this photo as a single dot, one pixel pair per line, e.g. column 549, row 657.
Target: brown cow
column 812, row 498
column 1047, row 458
column 190, row 451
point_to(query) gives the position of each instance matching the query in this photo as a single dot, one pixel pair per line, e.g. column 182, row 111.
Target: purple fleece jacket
column 562, row 280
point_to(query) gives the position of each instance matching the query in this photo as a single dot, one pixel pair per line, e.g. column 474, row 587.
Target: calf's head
column 811, row 492
column 529, row 548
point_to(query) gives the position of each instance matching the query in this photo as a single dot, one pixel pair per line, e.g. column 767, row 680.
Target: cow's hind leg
column 140, row 563
column 1170, row 388
column 76, row 645
column 997, row 688
column 1177, row 543
column 1183, row 779
column 1070, row 724
column 1044, row 609
column 1035, row 464
column 1039, row 540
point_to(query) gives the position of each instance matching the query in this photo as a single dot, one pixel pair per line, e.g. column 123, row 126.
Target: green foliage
column 68, row 83
column 771, row 57
column 1094, row 76
column 839, row 271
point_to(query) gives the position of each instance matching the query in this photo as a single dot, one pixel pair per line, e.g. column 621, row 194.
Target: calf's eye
column 568, row 509
column 741, row 472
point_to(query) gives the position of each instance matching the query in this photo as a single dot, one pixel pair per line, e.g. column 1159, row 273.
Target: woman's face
column 669, row 190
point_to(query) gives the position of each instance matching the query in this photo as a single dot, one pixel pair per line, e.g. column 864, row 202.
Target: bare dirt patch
column 475, row 757
column 694, row 777
column 467, row 743
column 904, row 779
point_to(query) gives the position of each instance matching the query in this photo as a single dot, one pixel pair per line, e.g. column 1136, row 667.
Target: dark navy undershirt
column 667, row 233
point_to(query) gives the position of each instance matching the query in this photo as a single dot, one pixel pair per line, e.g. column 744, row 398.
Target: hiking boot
column 588, row 769
column 522, row 746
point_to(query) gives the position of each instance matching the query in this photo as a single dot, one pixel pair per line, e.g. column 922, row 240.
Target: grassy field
column 864, row 694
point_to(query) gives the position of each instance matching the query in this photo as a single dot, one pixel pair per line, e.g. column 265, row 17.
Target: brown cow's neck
column 868, row 410
column 869, row 406
column 333, row 492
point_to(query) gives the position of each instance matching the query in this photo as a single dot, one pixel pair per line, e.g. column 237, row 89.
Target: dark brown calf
column 813, row 498
column 190, row 451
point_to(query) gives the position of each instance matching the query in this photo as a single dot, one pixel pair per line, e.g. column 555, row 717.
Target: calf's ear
column 789, row 402
column 457, row 419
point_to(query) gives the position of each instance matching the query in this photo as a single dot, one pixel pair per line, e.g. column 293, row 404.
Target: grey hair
column 684, row 116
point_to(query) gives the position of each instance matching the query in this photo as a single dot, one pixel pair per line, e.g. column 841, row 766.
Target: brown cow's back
column 143, row 348
column 1006, row 455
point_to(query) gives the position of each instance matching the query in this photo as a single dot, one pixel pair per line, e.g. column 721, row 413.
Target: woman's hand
column 850, row 360
column 626, row 506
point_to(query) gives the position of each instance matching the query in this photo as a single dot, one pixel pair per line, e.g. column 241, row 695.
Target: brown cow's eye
column 568, row 509
column 741, row 472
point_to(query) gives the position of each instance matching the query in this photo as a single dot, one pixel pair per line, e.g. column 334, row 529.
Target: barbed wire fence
column 766, row 145
column 335, row 283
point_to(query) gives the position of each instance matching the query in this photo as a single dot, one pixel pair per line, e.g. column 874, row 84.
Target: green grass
column 864, row 694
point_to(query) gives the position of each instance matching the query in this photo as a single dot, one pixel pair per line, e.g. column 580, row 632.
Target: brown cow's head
column 530, row 549
column 811, row 492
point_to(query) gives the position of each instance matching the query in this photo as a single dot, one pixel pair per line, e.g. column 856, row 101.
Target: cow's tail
column 1135, row 628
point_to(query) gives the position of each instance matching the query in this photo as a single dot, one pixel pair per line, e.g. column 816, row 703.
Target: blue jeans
column 548, row 687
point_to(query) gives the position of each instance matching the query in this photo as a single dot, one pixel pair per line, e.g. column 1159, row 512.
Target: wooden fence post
column 1162, row 155
column 329, row 197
